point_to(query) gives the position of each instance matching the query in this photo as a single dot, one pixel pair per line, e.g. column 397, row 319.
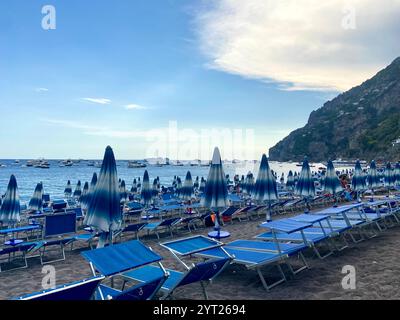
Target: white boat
column 136, row 164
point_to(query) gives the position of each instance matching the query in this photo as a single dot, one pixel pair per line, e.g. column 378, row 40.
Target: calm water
column 55, row 179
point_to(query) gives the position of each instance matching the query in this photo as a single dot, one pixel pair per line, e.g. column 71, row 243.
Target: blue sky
column 113, row 71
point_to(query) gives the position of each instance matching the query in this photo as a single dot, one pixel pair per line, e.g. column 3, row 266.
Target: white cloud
column 133, row 106
column 97, row 100
column 101, row 131
column 41, row 89
column 302, row 45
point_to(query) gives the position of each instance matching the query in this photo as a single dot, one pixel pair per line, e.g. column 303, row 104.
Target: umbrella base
column 219, row 234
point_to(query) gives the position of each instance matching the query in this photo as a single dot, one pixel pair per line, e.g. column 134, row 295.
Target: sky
column 177, row 77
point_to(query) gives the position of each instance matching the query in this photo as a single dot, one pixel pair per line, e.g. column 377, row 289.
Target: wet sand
column 376, row 262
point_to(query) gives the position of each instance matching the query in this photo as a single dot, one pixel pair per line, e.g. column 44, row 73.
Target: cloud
column 301, row 45
column 101, row 131
column 135, row 107
column 41, row 89
column 97, row 100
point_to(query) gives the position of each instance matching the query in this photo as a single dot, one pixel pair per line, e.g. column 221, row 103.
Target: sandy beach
column 375, row 262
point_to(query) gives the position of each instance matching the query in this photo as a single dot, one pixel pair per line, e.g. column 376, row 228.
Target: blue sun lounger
column 286, row 230
column 79, row 290
column 11, row 254
column 119, row 258
column 352, row 216
column 203, row 272
column 29, row 230
column 164, row 224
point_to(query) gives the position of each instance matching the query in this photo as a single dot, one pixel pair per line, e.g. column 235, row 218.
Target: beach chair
column 284, row 249
column 79, row 290
column 135, row 228
column 167, row 224
column 29, row 231
column 228, row 213
column 203, row 272
column 10, row 255
column 59, row 231
column 59, row 206
column 117, row 259
column 286, row 230
column 252, row 260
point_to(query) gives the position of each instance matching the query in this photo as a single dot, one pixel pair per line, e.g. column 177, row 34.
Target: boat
column 90, row 164
column 66, row 163
column 136, row 164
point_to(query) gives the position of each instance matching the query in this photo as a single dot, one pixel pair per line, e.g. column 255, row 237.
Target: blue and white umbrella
column 84, row 199
column 196, row 183
column 68, row 190
column 10, row 208
column 155, row 188
column 134, row 188
column 36, row 202
column 104, row 212
column 146, row 193
column 78, row 191
column 202, row 185
column 331, row 181
column 373, row 178
column 216, row 191
column 265, row 188
column 123, row 193
column 305, row 185
column 389, row 176
column 397, row 174
column 358, row 180
column 178, row 188
column 290, row 181
column 187, row 190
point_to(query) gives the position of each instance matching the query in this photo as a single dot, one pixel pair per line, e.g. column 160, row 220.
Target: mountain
column 363, row 123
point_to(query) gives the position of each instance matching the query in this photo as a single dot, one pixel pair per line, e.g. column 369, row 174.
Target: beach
column 375, row 262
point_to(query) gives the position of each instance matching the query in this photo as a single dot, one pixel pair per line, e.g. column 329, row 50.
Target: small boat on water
column 135, row 164
column 66, row 163
column 90, row 164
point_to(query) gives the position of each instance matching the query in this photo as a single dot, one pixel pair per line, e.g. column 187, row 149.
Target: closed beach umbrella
column 397, row 174
column 68, row 190
column 155, row 188
column 36, row 202
column 305, row 185
column 331, row 182
column 187, row 190
column 358, row 180
column 265, row 187
column 122, row 192
column 10, row 208
column 373, row 179
column 202, row 185
column 134, row 186
column 146, row 192
column 290, row 181
column 389, row 176
column 196, row 183
column 216, row 191
column 83, row 200
column 78, row 191
column 104, row 211
column 178, row 189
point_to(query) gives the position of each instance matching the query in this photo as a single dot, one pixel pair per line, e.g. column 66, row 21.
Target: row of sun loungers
column 144, row 276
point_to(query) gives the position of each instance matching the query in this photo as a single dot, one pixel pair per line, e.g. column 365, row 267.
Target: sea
column 55, row 178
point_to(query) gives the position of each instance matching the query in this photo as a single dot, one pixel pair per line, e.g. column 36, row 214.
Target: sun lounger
column 164, row 224
column 136, row 227
column 79, row 290
column 202, row 272
column 285, row 230
column 123, row 257
column 9, row 255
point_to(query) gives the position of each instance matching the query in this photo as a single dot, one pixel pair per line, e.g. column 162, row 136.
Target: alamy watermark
column 49, row 280
column 49, row 20
column 349, row 280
